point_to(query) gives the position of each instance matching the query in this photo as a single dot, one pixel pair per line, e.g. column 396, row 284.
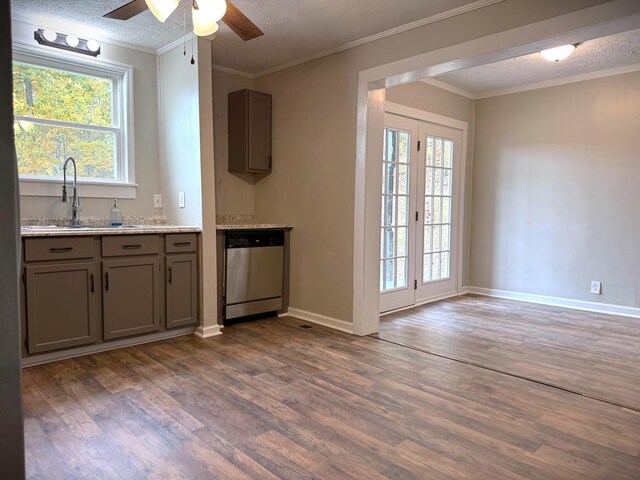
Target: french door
column 419, row 222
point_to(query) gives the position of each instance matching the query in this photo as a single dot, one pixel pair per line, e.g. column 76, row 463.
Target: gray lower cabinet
column 182, row 290
column 131, row 297
column 61, row 306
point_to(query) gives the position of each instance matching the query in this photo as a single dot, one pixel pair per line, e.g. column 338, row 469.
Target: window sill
column 53, row 188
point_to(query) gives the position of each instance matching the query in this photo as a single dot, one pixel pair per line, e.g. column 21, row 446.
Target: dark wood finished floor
column 270, row 400
column 585, row 352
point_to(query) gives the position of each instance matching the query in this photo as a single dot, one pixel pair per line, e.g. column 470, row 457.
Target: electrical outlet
column 157, row 200
column 596, row 287
column 181, row 199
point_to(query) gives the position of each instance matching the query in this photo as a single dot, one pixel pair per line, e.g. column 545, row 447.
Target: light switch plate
column 181, row 199
column 157, row 200
column 596, row 287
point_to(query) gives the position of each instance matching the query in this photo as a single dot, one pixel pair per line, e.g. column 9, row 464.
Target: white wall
column 187, row 158
column 145, row 134
column 314, row 145
column 180, row 137
column 234, row 191
column 556, row 191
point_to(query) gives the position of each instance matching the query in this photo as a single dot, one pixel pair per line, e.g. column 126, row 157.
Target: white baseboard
column 103, row 347
column 318, row 319
column 210, row 331
column 558, row 302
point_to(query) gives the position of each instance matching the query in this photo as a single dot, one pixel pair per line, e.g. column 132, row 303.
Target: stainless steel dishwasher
column 254, row 272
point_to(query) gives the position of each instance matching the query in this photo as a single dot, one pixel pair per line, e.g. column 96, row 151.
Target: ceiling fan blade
column 240, row 24
column 128, row 10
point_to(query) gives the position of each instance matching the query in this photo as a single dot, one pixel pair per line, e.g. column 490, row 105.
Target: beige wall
column 234, row 192
column 556, row 194
column 432, row 99
column 145, row 137
column 314, row 145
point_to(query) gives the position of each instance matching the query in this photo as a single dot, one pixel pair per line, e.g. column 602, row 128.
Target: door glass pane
column 401, row 268
column 437, row 210
column 444, row 238
column 437, row 205
column 437, row 182
column 435, row 266
column 426, row 268
column 428, row 182
column 427, row 238
column 389, row 278
column 444, row 264
column 446, row 182
column 403, row 207
column 403, row 176
column 446, row 210
column 438, row 152
column 448, row 153
column 394, row 248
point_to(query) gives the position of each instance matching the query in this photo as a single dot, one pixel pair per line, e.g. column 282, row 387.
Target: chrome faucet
column 75, row 221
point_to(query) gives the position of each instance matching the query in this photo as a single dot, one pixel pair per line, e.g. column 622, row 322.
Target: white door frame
column 423, row 116
column 605, row 19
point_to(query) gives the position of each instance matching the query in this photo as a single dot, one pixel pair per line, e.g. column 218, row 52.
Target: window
column 71, row 108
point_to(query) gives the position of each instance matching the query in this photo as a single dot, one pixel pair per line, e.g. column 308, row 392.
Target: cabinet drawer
column 129, row 245
column 179, row 243
column 57, row 248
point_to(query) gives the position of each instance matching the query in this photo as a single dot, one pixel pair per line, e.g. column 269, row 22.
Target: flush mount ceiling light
column 558, row 53
column 66, row 42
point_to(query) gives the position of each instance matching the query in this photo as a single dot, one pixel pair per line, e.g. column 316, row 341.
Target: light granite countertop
column 53, row 231
column 253, row 226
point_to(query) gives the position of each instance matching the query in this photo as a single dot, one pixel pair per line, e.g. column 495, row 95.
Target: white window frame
column 122, row 75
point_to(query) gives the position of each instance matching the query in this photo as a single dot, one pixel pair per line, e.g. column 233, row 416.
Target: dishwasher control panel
column 254, row 238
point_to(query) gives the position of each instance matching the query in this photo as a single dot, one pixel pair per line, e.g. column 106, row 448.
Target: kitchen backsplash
column 237, row 219
column 95, row 221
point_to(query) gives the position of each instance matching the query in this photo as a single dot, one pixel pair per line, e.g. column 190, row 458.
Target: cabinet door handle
column 182, row 244
column 93, row 286
column 61, row 250
column 170, row 278
column 106, row 281
column 132, row 247
column 269, row 162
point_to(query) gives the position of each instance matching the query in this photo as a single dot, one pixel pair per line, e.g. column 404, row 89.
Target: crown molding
column 176, row 43
column 450, row 88
column 371, row 38
column 609, row 72
column 238, row 73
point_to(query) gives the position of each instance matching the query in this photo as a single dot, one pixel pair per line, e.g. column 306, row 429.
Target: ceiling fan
column 206, row 14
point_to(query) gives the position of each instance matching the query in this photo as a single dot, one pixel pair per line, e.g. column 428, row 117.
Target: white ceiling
column 612, row 52
column 294, row 29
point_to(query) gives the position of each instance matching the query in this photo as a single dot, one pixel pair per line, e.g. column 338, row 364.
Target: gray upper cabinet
column 60, row 305
column 182, row 290
column 249, row 132
column 131, row 296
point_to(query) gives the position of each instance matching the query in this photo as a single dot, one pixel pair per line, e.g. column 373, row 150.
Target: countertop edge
column 253, row 226
column 146, row 230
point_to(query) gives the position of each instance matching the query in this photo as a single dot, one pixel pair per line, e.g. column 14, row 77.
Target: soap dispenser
column 116, row 214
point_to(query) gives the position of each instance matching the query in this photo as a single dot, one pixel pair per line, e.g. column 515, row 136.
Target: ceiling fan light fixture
column 206, row 14
column 558, row 53
column 161, row 9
